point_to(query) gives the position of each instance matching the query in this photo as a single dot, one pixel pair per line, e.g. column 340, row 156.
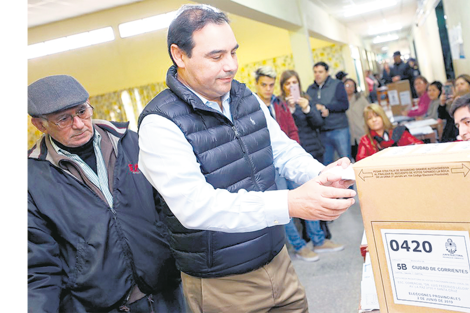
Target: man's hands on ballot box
column 324, row 197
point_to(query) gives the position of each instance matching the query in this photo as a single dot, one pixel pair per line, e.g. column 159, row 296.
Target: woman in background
column 306, row 117
column 357, row 104
column 308, row 121
column 434, row 93
column 380, row 133
column 421, row 86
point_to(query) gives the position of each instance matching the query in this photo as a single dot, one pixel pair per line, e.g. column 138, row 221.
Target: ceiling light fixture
column 368, row 7
column 387, row 29
column 70, row 42
column 146, row 25
column 380, row 39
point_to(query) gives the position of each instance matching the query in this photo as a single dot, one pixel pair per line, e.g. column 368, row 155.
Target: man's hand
column 396, row 78
column 344, row 163
column 318, row 199
column 324, row 111
column 322, row 197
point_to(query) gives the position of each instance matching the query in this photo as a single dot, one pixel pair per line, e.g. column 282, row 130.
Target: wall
column 457, row 12
column 429, row 49
column 140, row 61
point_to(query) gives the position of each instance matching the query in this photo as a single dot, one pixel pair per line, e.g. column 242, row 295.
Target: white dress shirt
column 167, row 160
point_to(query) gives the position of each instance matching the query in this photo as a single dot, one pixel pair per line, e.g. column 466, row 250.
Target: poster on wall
column 429, row 268
column 456, row 43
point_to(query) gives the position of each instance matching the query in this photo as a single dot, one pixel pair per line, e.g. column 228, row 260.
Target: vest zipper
column 209, row 249
column 245, row 155
column 238, row 138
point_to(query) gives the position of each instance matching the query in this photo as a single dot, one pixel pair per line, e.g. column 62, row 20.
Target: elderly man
column 210, row 147
column 95, row 239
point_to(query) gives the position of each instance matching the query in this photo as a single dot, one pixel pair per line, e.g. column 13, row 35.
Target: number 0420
column 416, row 246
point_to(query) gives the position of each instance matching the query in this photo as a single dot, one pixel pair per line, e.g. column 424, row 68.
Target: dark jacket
column 332, row 95
column 84, row 256
column 450, row 131
column 233, row 156
column 308, row 126
column 403, row 70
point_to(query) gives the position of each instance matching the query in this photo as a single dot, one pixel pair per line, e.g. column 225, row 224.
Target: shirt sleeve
column 167, row 160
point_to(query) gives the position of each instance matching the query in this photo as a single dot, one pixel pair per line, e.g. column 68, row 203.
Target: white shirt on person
column 167, row 160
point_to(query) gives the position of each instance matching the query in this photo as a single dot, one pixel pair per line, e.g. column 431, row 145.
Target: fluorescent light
column 386, row 29
column 146, row 25
column 380, row 39
column 70, row 42
column 368, row 7
column 384, row 48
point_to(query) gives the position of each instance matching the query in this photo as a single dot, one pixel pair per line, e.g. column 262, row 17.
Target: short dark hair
column 460, row 102
column 190, row 18
column 321, row 63
column 438, row 85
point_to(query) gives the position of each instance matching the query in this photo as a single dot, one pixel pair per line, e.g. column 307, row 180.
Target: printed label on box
column 429, row 268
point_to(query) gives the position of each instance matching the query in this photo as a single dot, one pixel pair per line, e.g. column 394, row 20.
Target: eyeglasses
column 66, row 120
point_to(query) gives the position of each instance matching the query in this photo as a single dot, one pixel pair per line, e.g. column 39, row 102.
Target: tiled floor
column 333, row 283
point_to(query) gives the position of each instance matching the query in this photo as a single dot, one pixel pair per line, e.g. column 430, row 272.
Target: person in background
column 460, row 110
column 450, row 131
column 210, row 147
column 341, row 76
column 330, row 98
column 386, row 74
column 400, row 69
column 434, row 94
column 265, row 78
column 308, row 120
column 462, row 85
column 357, row 104
column 415, row 72
column 96, row 241
column 421, row 86
column 380, row 133
column 378, row 79
column 372, row 84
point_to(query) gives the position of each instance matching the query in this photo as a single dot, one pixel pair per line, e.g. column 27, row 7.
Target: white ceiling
column 48, row 11
column 403, row 13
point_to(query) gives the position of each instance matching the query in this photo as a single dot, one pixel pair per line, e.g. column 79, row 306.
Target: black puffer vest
column 232, row 156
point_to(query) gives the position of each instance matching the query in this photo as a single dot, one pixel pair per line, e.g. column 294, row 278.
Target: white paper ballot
column 346, row 173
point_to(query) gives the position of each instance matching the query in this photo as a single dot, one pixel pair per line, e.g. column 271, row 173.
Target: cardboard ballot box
column 415, row 203
column 399, row 96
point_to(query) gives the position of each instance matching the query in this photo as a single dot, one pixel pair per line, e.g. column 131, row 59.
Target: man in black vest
column 210, row 147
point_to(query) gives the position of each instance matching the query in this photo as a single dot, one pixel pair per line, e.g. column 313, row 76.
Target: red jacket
column 285, row 120
column 366, row 148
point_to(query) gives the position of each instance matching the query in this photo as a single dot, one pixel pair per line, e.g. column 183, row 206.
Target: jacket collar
column 115, row 130
column 236, row 92
column 326, row 83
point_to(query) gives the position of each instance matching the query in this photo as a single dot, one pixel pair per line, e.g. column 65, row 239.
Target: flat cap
column 396, row 53
column 54, row 93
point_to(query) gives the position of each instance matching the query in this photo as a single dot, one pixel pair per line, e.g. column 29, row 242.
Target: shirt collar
column 96, row 142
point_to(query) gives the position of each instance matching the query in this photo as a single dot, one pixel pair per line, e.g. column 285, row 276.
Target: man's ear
column 178, row 56
column 38, row 123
